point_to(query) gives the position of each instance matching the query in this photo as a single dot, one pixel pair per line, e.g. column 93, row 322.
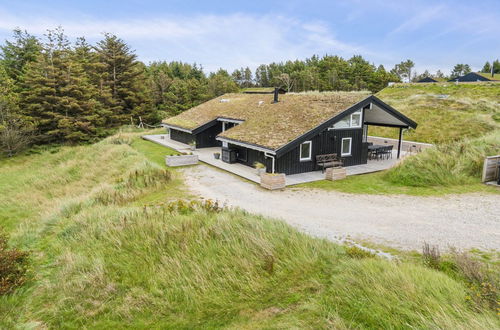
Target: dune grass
column 444, row 112
column 458, row 163
column 102, row 259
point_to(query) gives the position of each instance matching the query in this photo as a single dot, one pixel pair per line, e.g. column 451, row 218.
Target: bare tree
column 286, row 81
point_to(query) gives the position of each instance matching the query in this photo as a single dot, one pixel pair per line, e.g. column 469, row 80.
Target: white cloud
column 228, row 41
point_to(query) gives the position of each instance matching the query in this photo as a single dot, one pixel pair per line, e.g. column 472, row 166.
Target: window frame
column 309, row 158
column 358, row 112
column 342, row 153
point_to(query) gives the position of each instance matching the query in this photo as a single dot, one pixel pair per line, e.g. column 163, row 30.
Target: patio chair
column 387, row 152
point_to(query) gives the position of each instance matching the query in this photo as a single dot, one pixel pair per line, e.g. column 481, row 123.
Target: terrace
column 206, row 155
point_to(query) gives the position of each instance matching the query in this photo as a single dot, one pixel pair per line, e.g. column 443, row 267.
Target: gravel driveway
column 400, row 221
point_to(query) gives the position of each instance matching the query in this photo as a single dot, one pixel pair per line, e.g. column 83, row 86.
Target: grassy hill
column 112, row 248
column 445, row 112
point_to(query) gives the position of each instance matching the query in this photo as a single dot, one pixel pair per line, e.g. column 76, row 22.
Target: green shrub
column 358, row 253
column 13, row 266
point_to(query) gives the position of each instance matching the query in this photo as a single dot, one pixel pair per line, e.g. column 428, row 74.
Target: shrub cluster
column 13, row 266
column 483, row 283
column 358, row 253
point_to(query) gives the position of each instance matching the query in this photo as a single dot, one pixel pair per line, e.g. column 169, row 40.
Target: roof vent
column 224, row 100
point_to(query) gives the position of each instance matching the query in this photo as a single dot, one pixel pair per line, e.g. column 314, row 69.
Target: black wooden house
column 286, row 132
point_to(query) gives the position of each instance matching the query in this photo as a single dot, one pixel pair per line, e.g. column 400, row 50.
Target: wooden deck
column 206, row 156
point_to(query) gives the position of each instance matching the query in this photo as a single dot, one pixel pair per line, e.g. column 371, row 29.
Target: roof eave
column 246, row 144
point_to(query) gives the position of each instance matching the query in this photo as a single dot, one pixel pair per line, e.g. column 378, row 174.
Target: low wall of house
column 408, row 146
column 181, row 160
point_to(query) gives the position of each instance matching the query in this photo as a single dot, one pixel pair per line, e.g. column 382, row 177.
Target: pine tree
column 16, row 55
column 124, row 76
column 58, row 96
column 486, row 68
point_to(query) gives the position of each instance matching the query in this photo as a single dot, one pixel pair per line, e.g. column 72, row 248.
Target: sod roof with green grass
column 267, row 124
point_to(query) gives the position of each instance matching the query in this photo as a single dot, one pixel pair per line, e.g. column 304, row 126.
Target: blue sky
column 230, row 34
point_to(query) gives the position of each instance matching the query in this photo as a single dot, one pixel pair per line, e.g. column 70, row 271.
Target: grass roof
column 258, row 89
column 267, row 124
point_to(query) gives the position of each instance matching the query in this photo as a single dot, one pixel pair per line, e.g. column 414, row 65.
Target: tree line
column 56, row 91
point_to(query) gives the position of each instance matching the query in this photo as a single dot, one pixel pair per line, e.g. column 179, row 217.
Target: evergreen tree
column 16, row 55
column 496, row 66
column 220, row 83
column 57, row 97
column 486, row 68
column 124, row 77
column 460, row 70
column 403, row 70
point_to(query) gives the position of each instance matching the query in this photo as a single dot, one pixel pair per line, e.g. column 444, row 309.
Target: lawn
column 112, row 247
column 376, row 183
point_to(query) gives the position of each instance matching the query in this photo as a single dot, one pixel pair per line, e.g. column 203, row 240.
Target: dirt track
column 462, row 221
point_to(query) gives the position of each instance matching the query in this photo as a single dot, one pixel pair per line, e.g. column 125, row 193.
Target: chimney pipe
column 276, row 92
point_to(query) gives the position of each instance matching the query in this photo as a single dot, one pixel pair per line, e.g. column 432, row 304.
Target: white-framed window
column 356, row 119
column 353, row 120
column 345, row 148
column 305, row 151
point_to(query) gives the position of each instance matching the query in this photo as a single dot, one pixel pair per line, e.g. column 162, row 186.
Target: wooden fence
column 490, row 168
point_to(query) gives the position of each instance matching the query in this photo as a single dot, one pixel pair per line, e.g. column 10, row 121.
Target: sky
column 434, row 34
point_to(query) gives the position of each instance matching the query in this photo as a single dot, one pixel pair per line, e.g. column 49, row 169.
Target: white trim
column 342, row 153
column 360, row 112
column 310, row 151
column 229, row 120
column 249, row 146
column 178, row 128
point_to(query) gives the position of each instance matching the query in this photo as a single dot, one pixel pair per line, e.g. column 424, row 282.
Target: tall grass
column 102, row 261
column 456, row 163
column 444, row 112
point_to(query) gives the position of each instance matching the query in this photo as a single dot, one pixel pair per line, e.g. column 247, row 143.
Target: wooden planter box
column 181, row 160
column 272, row 181
column 335, row 173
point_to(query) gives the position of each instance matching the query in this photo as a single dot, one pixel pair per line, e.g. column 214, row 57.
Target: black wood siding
column 203, row 139
column 181, row 136
column 252, row 156
column 206, row 138
column 327, row 142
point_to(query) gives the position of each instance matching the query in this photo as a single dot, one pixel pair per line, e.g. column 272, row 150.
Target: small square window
column 305, row 151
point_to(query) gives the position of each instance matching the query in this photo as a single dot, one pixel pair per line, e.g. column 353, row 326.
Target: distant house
column 286, row 132
column 427, row 80
column 476, row 76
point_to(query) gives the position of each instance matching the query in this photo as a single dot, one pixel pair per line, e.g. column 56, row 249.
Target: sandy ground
column 400, row 221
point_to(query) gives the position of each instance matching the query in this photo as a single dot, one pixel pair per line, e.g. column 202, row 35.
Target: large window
column 351, row 121
column 305, row 151
column 346, row 147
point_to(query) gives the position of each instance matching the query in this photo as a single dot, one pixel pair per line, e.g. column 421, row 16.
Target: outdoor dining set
column 378, row 151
